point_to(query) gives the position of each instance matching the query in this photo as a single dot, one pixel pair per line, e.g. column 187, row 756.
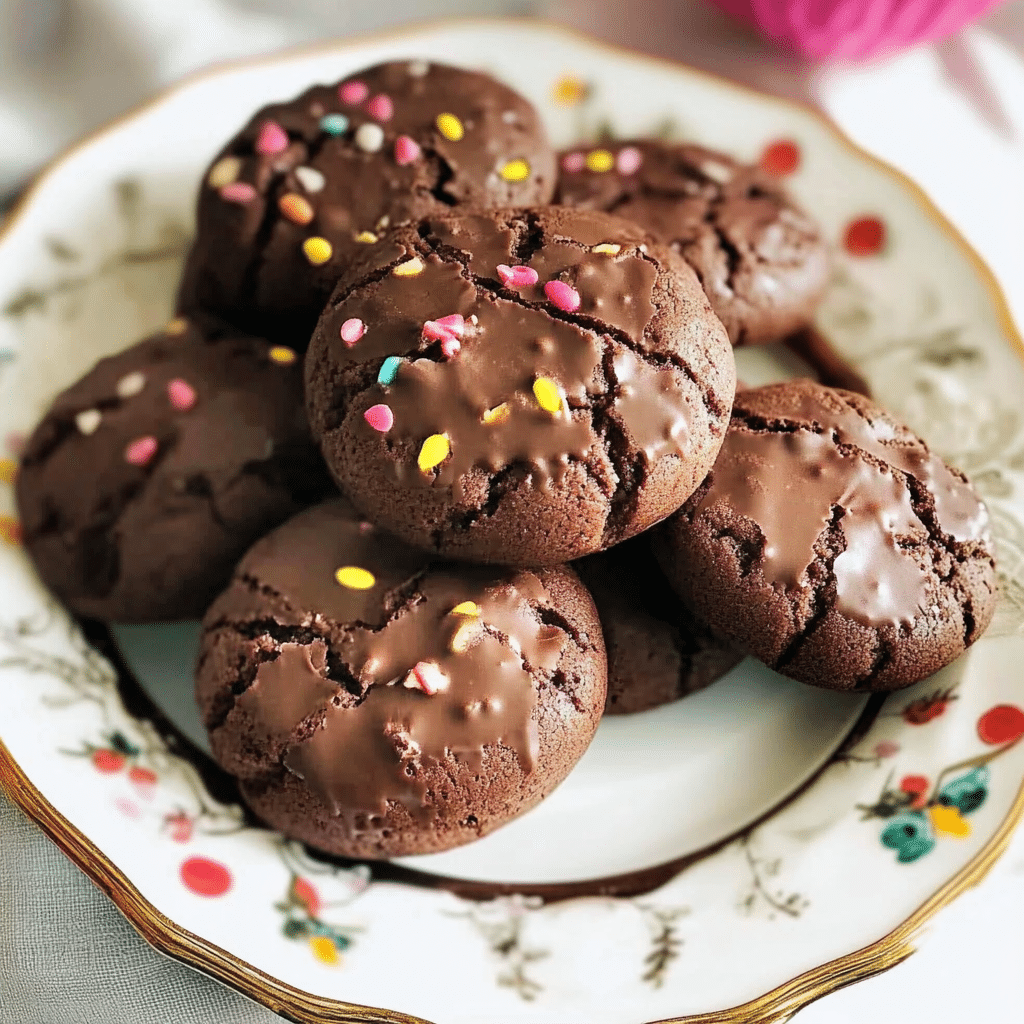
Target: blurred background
column 67, row 66
column 934, row 86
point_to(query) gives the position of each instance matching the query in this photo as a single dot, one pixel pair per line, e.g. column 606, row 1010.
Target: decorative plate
column 788, row 841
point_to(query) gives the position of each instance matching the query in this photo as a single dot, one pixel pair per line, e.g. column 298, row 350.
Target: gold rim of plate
column 182, row 945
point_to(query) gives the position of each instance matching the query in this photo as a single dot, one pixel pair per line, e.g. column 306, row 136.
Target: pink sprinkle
column 141, row 450
column 562, row 296
column 406, row 150
column 352, row 330
column 353, row 92
column 629, row 160
column 426, row 676
column 517, row 277
column 447, row 327
column 238, row 192
column 380, row 417
column 450, row 347
column 271, row 139
column 380, row 108
column 181, row 394
column 573, row 162
column 454, row 322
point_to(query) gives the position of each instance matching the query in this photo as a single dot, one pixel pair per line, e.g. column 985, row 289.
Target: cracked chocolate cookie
column 375, row 704
column 657, row 651
column 830, row 543
column 521, row 387
column 762, row 261
column 148, row 479
column 308, row 183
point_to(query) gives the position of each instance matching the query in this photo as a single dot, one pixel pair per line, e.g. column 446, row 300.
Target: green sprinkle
column 389, row 370
column 334, row 124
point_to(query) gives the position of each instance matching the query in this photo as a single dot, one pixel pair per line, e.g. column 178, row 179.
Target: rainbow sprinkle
column 334, row 124
column 380, row 417
column 318, row 250
column 548, row 394
column 355, row 578
column 434, row 451
column 389, row 370
column 224, row 172
column 410, row 268
column 516, row 170
column 282, row 354
column 450, row 127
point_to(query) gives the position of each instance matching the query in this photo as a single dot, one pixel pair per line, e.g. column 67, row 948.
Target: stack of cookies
column 451, row 471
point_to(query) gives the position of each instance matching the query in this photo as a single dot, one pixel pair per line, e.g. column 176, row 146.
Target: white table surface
column 952, row 117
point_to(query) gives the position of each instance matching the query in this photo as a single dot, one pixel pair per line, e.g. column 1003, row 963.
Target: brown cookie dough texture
column 761, row 260
column 830, row 543
column 375, row 705
column 657, row 651
column 519, row 387
column 307, row 184
column 148, row 479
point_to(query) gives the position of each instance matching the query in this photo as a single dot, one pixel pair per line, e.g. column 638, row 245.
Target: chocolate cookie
column 308, row 183
column 657, row 651
column 148, row 479
column 829, row 542
column 373, row 704
column 519, row 387
column 762, row 261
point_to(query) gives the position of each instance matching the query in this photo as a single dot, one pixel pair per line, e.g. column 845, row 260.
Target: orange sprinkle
column 295, row 208
column 10, row 531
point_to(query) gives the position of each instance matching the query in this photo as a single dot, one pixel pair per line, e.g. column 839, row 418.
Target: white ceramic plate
column 826, row 888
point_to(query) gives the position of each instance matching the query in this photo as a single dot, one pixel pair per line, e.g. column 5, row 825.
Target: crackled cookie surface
column 657, row 651
column 375, row 704
column 519, row 387
column 830, row 543
column 308, row 183
column 761, row 260
column 148, row 479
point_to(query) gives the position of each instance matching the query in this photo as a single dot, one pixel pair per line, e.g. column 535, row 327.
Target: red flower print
column 924, row 709
column 1002, row 724
column 306, row 894
column 205, row 877
column 107, row 761
column 180, row 826
column 865, row 236
column 780, row 157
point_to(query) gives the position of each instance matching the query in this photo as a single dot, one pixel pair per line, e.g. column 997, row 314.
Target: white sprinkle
column 383, row 223
column 370, row 138
column 721, row 173
column 310, row 178
column 88, row 421
column 510, row 117
column 418, row 68
column 131, row 384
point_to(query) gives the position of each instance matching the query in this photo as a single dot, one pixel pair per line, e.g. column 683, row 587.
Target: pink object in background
column 855, row 29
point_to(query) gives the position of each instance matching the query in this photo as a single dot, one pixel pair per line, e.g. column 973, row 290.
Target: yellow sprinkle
column 516, row 170
column 318, row 250
column 224, row 172
column 470, row 608
column 450, row 127
column 434, row 451
column 548, row 394
column 366, row 237
column 324, row 950
column 282, row 354
column 499, row 414
column 600, row 160
column 570, row 90
column 297, row 209
column 410, row 268
column 354, row 578
column 9, row 470
column 464, row 636
column 179, row 325
column 607, row 248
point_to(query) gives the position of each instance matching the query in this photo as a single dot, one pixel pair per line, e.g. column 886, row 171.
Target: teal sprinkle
column 334, row 124
column 389, row 370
